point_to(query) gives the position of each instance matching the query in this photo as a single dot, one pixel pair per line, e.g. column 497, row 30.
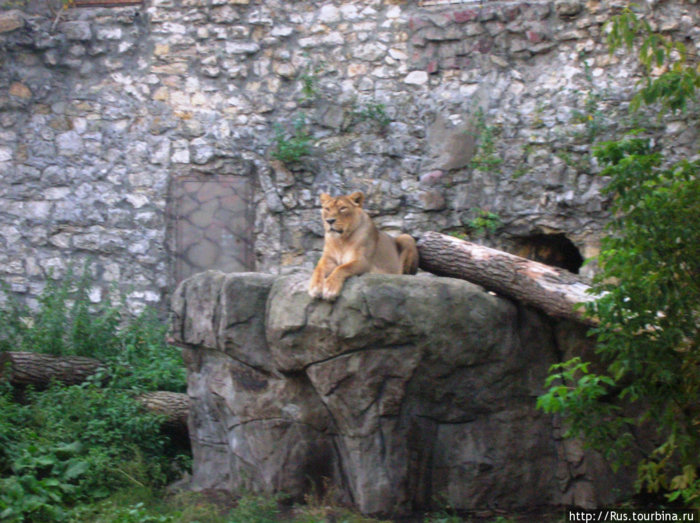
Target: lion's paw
column 331, row 289
column 315, row 291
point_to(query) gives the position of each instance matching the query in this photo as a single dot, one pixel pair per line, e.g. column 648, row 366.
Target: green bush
column 648, row 305
column 76, row 444
column 69, row 445
column 372, row 111
column 484, row 222
column 67, row 323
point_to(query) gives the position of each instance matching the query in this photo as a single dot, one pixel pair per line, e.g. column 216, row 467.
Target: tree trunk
column 31, row 368
column 555, row 291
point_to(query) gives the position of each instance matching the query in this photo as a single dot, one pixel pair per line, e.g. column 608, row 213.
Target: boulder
column 404, row 390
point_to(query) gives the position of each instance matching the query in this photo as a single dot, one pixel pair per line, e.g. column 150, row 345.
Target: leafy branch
column 679, row 79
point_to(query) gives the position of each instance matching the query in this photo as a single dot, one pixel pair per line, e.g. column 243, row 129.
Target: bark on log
column 555, row 291
column 31, row 368
column 175, row 406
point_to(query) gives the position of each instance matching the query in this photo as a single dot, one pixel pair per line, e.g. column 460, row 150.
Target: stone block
column 11, row 20
column 19, row 90
column 77, row 30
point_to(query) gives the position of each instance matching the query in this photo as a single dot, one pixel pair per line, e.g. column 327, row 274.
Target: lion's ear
column 324, row 197
column 358, row 198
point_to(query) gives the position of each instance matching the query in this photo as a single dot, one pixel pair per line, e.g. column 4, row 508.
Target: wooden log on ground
column 555, row 291
column 175, row 406
column 32, row 368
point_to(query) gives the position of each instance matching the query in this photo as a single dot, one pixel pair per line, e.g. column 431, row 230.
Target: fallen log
column 555, row 291
column 32, row 368
column 174, row 406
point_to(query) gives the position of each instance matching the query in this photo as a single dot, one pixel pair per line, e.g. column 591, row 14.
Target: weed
column 521, row 171
column 484, row 222
column 309, row 89
column 372, row 111
column 309, row 84
column 592, row 117
column 485, row 157
column 290, row 147
column 77, row 444
column 255, row 509
column 460, row 235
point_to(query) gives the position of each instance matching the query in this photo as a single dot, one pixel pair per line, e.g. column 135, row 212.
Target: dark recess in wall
column 552, row 249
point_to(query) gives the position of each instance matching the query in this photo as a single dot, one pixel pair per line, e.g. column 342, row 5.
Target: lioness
column 354, row 245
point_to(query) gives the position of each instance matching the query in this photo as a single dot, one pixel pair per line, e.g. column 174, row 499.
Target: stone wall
column 107, row 115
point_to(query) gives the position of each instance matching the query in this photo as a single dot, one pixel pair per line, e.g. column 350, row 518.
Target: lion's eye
column 343, row 209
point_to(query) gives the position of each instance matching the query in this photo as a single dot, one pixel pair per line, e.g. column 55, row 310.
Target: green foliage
column 582, row 397
column 291, row 146
column 41, row 477
column 309, row 85
column 649, row 312
column 372, row 111
column 144, row 360
column 592, row 117
column 67, row 323
column 648, row 305
column 485, row 157
column 132, row 513
column 255, row 509
column 679, row 79
column 75, row 444
column 484, row 222
column 68, row 445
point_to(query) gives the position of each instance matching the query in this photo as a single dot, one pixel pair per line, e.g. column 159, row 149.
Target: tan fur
column 354, row 245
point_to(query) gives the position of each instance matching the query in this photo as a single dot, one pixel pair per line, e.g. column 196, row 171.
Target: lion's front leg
column 318, row 277
column 334, row 283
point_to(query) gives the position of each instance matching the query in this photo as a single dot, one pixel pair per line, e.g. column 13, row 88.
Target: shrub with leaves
column 76, row 444
column 649, row 287
column 648, row 310
column 676, row 86
column 485, row 222
column 648, row 313
column 67, row 445
column 68, row 323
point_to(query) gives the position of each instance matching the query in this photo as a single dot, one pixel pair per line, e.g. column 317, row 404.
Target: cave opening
column 552, row 249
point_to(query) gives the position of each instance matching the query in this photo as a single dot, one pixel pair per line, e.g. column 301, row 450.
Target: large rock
column 405, row 389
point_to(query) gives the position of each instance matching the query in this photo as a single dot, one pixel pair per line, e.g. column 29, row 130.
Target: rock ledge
column 406, row 389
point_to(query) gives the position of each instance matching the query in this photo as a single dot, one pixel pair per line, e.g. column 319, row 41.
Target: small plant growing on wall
column 485, row 157
column 310, row 90
column 485, row 222
column 293, row 145
column 372, row 111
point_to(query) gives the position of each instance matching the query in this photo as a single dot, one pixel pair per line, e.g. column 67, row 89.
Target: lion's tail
column 408, row 253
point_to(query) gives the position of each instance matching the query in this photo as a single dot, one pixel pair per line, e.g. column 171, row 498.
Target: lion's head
column 342, row 214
